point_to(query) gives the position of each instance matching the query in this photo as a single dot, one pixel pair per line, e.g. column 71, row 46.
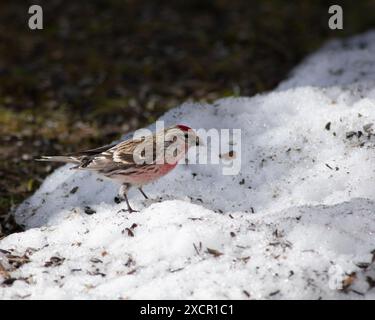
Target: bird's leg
column 123, row 194
column 143, row 193
column 130, row 209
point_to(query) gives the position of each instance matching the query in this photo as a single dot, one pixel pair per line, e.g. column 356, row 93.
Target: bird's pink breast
column 145, row 174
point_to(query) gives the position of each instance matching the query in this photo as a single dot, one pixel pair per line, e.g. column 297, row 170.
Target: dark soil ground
column 101, row 68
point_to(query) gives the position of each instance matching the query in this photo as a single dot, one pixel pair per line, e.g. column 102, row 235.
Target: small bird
column 135, row 162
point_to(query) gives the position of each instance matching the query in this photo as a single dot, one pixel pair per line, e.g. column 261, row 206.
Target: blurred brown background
column 102, row 68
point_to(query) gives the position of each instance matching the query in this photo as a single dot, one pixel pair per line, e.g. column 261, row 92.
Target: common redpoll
column 135, row 162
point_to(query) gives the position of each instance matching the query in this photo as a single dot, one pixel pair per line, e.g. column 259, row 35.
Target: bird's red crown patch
column 183, row 128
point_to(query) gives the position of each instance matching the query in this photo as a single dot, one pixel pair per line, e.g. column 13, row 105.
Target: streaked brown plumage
column 135, row 162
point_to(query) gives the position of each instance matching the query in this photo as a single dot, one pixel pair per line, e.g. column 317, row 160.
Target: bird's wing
column 136, row 151
column 81, row 158
column 92, row 152
column 125, row 154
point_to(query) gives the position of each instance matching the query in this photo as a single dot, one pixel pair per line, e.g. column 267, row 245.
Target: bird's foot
column 119, row 199
column 131, row 210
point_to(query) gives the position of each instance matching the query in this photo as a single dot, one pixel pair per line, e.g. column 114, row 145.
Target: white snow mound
column 298, row 220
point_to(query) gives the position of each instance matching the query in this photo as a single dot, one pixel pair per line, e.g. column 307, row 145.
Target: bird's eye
column 186, row 136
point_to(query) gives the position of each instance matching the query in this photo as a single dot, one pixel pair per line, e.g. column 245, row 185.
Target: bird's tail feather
column 65, row 159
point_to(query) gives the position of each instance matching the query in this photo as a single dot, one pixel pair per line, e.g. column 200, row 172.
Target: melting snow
column 298, row 220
